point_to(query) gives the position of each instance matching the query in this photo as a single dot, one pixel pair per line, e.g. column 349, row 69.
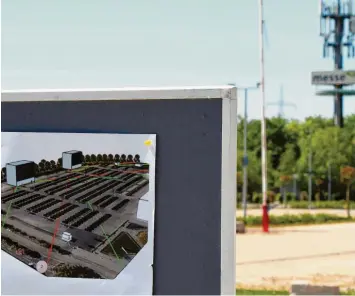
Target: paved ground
column 320, row 254
column 258, row 212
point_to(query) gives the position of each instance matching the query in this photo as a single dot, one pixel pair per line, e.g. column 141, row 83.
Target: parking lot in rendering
column 81, row 222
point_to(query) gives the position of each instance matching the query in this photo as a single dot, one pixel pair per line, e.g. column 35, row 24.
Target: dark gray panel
column 188, row 175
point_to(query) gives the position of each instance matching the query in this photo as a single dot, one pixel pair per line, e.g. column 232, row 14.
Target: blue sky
column 115, row 43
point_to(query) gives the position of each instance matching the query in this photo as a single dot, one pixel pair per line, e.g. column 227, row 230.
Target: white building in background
column 20, row 172
column 72, row 159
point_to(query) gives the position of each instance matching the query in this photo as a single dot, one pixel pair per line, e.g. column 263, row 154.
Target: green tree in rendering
column 136, row 158
column 104, row 158
column 53, row 165
column 47, row 166
column 41, row 166
column 87, row 158
column 59, row 162
column 99, row 157
column 36, row 168
column 110, row 158
column 93, row 158
column 3, row 172
column 123, row 158
column 117, row 158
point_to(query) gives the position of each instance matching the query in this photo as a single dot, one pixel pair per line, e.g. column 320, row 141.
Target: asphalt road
column 322, row 254
column 78, row 259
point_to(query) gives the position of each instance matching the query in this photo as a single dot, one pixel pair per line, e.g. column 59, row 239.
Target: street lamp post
column 245, row 155
column 295, row 176
column 329, row 181
column 245, row 148
column 310, row 175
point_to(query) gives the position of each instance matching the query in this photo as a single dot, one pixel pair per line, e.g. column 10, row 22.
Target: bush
column 143, row 237
column 75, row 271
column 333, row 204
column 295, row 219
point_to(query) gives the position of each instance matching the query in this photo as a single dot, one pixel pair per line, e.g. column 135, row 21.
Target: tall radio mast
column 337, row 27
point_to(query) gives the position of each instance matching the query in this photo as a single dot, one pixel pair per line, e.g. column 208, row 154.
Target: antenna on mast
column 337, row 27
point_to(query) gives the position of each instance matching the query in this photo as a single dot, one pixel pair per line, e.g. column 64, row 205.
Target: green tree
column 290, row 142
column 348, row 178
column 288, row 160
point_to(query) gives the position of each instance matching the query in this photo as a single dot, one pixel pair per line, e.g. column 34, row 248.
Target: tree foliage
column 290, row 144
column 347, row 176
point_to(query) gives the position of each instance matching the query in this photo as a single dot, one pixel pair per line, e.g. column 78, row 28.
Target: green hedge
column 261, row 292
column 295, row 219
column 292, row 204
column 333, row 204
column 240, row 291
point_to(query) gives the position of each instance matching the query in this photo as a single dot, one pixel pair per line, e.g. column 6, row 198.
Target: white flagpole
column 263, row 118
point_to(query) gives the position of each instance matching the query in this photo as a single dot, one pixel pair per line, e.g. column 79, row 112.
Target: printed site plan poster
column 77, row 213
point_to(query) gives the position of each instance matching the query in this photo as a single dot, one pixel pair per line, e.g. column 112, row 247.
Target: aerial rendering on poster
column 70, row 201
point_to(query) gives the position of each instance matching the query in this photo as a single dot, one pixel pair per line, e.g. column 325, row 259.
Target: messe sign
column 333, row 77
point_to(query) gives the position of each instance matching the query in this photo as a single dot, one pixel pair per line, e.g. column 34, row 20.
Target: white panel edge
column 163, row 93
column 228, row 195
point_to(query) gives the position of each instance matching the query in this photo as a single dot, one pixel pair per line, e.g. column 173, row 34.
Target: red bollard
column 265, row 219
